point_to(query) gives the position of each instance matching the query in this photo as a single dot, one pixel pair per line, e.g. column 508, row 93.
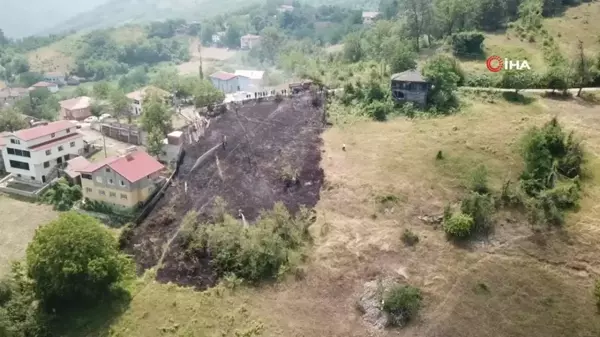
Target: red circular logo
column 494, row 63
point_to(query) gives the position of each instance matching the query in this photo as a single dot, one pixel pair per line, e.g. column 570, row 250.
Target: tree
column 270, row 43
column 582, row 69
column 557, row 78
column 155, row 113
column 155, row 142
column 11, row 120
column 232, row 36
column 353, row 50
column 441, row 72
column 419, row 15
column 207, row 33
column 166, row 79
column 206, row 94
column 81, row 91
column 74, row 260
column 3, row 39
column 118, row 102
column 515, row 79
column 101, row 90
column 402, row 58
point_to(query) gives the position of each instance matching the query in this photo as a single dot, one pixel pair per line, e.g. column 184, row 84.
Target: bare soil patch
column 263, row 141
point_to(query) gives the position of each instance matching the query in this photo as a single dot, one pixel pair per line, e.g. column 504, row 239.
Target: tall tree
column 118, row 103
column 155, row 142
column 11, row 120
column 582, row 69
column 419, row 15
column 155, row 113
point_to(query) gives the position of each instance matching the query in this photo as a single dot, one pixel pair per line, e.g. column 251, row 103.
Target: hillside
column 19, row 19
column 117, row 12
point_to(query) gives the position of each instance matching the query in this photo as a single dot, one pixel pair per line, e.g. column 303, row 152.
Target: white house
column 55, row 77
column 250, row 80
column 53, row 87
column 285, row 8
column 31, row 155
column 217, row 37
column 171, row 146
column 370, row 17
column 249, row 41
column 226, row 82
column 137, row 98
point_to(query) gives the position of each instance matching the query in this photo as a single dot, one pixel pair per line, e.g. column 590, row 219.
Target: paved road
column 541, row 91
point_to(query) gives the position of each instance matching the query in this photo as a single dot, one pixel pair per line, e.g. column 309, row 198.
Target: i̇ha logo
column 496, row 63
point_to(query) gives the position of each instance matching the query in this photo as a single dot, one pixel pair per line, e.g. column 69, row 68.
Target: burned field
column 272, row 153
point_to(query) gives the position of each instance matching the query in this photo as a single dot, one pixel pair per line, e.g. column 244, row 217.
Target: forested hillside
column 19, row 19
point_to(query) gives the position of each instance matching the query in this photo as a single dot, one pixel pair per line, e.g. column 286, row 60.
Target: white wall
column 39, row 157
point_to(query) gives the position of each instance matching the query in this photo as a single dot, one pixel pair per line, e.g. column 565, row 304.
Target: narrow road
column 540, row 91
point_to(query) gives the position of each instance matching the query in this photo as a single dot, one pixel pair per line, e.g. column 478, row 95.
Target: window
column 123, row 196
column 52, row 135
column 26, row 154
column 107, row 170
column 32, row 178
column 48, row 152
column 19, row 165
column 86, row 176
column 60, row 148
column 15, row 141
column 10, row 150
column 110, row 181
column 47, row 164
column 68, row 130
column 72, row 144
column 101, row 192
column 112, row 194
column 122, row 183
column 99, row 179
column 89, row 190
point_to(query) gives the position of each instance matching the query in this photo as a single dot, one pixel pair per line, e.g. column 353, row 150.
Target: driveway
column 113, row 146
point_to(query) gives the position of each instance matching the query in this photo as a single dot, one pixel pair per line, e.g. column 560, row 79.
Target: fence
column 122, row 132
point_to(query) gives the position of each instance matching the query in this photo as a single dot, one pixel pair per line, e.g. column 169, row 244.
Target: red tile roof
column 43, row 130
column 51, row 143
column 74, row 165
column 2, row 139
column 223, row 76
column 43, row 84
column 133, row 166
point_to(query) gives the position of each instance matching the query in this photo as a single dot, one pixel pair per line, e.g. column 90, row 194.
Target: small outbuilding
column 410, row 86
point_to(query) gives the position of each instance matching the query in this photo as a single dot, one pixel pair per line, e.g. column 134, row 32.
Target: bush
column 256, row 252
column 480, row 208
column 459, row 225
column 409, row 238
column 74, row 260
column 61, row 195
column 467, row 44
column 445, row 75
column 402, row 303
column 478, row 181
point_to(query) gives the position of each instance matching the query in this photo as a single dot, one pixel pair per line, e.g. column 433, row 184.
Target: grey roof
column 409, row 76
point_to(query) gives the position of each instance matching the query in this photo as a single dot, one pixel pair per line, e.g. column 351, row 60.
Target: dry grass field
column 514, row 283
column 18, row 221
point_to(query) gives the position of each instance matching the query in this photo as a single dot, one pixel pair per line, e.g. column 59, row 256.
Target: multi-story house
column 249, row 41
column 78, row 108
column 124, row 181
column 250, row 80
column 55, row 77
column 137, row 97
column 31, row 155
column 370, row 17
column 52, row 87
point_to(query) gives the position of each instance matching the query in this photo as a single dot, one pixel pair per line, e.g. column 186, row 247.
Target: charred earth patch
column 264, row 153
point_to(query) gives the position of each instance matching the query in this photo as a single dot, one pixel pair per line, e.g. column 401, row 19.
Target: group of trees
column 73, row 263
column 101, row 56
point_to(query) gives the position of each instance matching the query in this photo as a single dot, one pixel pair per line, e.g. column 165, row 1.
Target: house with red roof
column 124, row 181
column 32, row 155
column 226, row 82
column 53, row 87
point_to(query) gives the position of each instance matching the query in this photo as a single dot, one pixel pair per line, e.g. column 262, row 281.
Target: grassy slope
column 537, row 285
column 19, row 219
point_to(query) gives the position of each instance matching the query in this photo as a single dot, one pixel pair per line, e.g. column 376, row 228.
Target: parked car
column 104, row 116
column 91, row 119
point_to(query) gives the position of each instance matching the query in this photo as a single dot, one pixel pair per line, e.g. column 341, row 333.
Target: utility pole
column 200, row 72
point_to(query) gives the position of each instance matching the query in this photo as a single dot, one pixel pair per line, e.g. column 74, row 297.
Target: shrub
column 467, row 44
column 61, row 195
column 409, row 237
column 445, row 75
column 125, row 236
column 74, row 260
column 480, row 208
column 479, row 180
column 459, row 225
column 379, row 110
column 256, row 252
column 402, row 303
